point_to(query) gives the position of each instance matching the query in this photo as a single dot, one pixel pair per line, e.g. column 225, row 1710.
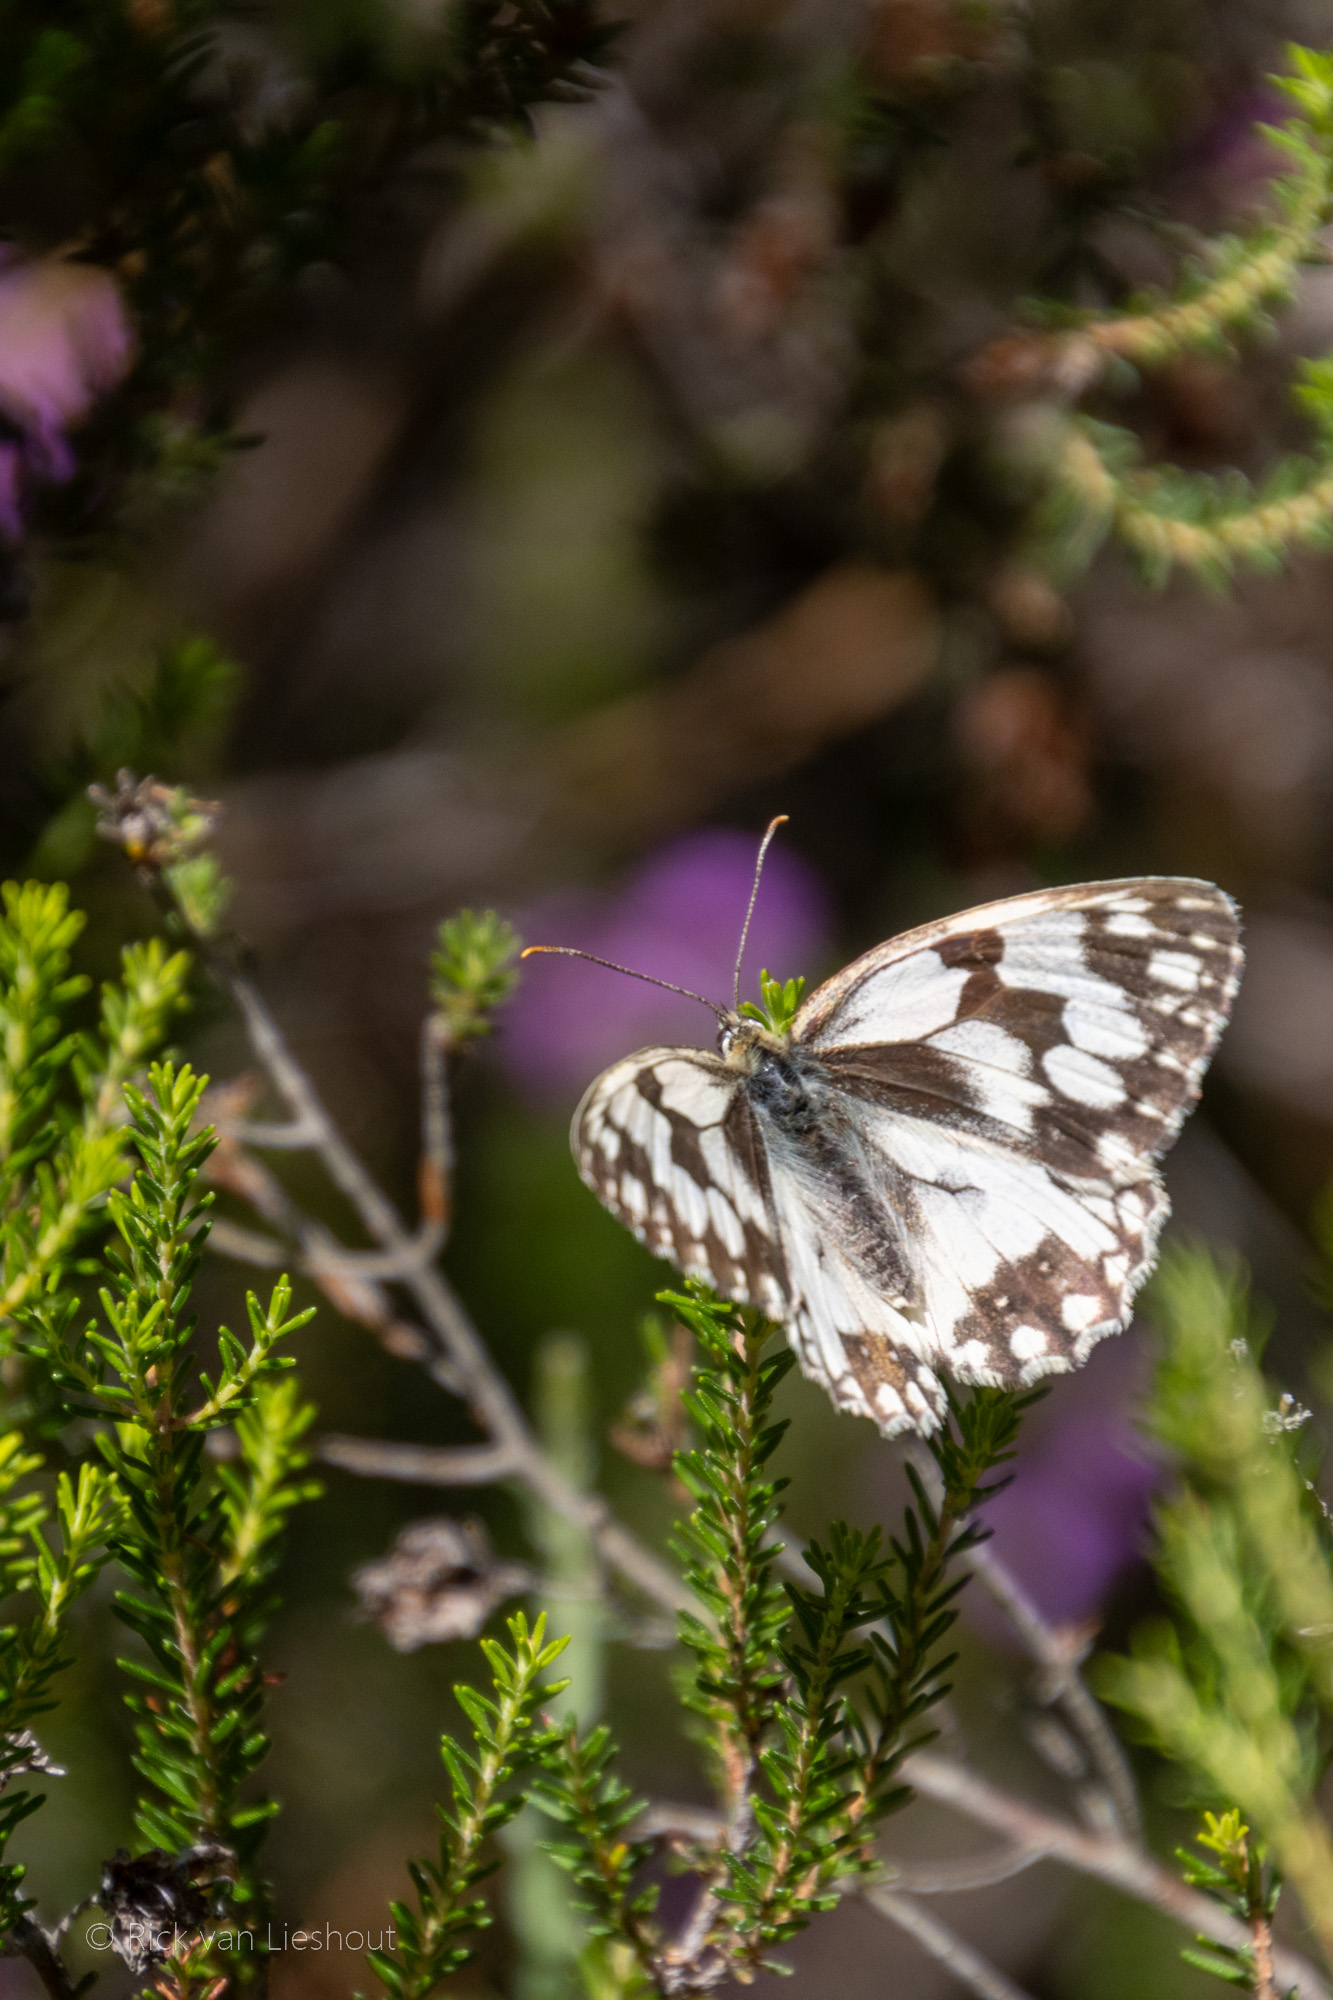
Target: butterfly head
column 741, row 1042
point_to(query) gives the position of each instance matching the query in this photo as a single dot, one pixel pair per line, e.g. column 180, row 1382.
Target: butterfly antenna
column 568, row 951
column 764, row 846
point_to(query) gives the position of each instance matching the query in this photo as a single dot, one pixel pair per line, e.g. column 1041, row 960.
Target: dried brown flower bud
column 1025, row 365
column 158, row 825
column 1028, row 754
column 439, row 1581
column 157, row 1897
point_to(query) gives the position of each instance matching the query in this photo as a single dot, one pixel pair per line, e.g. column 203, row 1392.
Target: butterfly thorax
column 776, row 1072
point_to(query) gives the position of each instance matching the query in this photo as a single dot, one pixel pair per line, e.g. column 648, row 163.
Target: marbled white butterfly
column 949, row 1159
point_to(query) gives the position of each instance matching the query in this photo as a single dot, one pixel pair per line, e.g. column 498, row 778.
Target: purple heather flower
column 65, row 340
column 678, row 916
column 1230, row 158
column 1073, row 1520
column 11, row 482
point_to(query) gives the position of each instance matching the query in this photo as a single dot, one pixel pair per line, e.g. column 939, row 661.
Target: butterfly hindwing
column 853, row 1331
column 667, row 1141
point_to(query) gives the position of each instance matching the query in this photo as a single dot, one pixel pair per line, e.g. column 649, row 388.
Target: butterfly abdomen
column 805, row 1128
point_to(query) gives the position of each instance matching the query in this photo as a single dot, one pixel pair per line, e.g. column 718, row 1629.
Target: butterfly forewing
column 975, row 1184
column 1080, row 1018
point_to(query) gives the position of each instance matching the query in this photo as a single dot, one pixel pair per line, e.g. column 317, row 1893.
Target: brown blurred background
column 621, row 494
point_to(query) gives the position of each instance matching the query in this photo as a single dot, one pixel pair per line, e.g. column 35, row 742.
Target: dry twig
column 944, row 1946
column 453, row 1349
column 1122, row 1864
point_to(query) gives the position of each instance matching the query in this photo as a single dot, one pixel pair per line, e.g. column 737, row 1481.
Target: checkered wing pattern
column 670, row 1144
column 969, row 1180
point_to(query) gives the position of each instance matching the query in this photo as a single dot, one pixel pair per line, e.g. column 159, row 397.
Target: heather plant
column 202, row 157
column 195, row 1543
column 1233, row 1686
column 168, row 174
column 1098, row 483
column 812, row 1677
column 810, row 1694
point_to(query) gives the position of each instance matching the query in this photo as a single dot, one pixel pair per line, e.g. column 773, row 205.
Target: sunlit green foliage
column 194, row 1543
column 472, row 971
column 87, row 1514
column 510, row 1740
column 1233, row 1872
column 1203, row 523
column 200, row 1548
column 781, row 1002
column 62, row 1142
column 1233, row 1685
column 807, row 1714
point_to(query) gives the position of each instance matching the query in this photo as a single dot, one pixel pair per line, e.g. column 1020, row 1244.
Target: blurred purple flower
column 65, row 340
column 1073, row 1520
column 678, row 917
column 1230, row 157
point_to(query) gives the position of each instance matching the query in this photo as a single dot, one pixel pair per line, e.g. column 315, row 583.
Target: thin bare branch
column 420, row 1464
column 248, row 1246
column 28, row 1940
column 950, row 1878
column 626, row 1553
column 251, row 1247
column 1261, row 1944
column 435, row 1174
column 1059, row 1660
column 277, row 1136
column 457, row 1356
column 377, row 1213
column 1064, row 1684
column 1109, row 1859
column 944, row 1946
column 668, row 1821
column 389, row 1265
column 350, row 1290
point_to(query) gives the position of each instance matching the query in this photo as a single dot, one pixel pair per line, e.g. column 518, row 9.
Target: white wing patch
column 917, row 993
column 849, row 1337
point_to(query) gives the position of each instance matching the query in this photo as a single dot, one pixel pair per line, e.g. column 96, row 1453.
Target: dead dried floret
column 156, row 1899
column 439, row 1581
column 158, row 825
